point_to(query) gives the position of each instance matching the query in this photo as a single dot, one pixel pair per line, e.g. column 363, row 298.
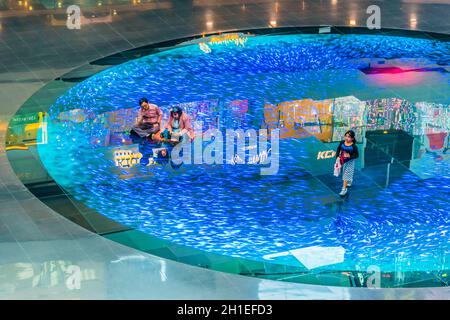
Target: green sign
column 25, row 118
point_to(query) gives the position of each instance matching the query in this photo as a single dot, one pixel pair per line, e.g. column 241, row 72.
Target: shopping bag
column 337, row 167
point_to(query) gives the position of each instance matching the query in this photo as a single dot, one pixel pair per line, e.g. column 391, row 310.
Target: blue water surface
column 233, row 210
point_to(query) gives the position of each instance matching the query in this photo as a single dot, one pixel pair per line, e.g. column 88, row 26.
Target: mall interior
column 90, row 208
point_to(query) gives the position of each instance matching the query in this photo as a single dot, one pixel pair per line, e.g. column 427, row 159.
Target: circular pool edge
column 163, row 248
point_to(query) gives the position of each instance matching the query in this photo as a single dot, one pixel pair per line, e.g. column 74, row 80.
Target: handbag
column 337, row 167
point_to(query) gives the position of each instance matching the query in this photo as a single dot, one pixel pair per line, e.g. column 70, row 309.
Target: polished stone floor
column 43, row 255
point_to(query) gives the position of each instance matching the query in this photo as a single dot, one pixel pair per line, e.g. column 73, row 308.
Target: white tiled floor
column 37, row 245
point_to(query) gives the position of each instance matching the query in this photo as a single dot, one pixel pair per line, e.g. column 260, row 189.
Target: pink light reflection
column 396, row 79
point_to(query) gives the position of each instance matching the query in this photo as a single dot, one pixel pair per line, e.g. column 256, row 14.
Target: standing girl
column 347, row 152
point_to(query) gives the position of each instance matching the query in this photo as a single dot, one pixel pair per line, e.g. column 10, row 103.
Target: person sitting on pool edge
column 179, row 124
column 347, row 152
column 148, row 122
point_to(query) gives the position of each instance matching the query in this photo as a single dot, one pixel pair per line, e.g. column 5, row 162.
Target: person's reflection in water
column 342, row 222
column 162, row 157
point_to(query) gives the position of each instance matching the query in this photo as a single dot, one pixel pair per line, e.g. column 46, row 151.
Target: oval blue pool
column 392, row 91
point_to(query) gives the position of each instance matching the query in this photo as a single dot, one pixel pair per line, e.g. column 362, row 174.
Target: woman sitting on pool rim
column 179, row 124
column 347, row 152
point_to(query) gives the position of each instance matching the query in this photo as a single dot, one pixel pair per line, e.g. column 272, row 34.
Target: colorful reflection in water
column 311, row 87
